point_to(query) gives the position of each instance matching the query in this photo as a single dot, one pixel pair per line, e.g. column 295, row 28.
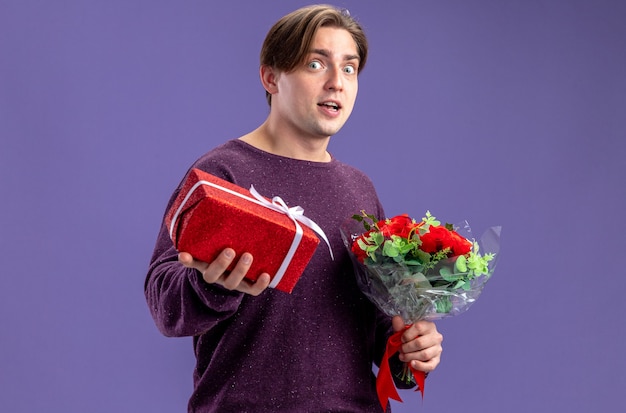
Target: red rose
column 459, row 244
column 439, row 237
column 357, row 251
column 400, row 225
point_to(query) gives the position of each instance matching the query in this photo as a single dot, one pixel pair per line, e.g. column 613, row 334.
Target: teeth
column 331, row 104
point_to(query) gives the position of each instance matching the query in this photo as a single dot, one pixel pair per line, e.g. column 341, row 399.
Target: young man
column 259, row 349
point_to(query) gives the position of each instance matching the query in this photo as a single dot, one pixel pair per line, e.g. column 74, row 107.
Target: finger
column 233, row 280
column 397, row 323
column 188, row 261
column 185, row 258
column 422, row 353
column 417, row 329
column 216, row 269
column 432, row 339
column 426, row 366
column 428, row 356
column 256, row 287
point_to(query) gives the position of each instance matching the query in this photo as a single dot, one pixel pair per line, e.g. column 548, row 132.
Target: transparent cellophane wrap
column 415, row 294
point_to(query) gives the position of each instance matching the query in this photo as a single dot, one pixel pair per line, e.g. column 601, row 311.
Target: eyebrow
column 326, row 53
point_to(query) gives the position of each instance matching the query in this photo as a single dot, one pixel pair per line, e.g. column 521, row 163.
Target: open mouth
column 333, row 106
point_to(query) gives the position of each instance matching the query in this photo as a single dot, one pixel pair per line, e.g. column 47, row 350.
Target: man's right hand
column 215, row 272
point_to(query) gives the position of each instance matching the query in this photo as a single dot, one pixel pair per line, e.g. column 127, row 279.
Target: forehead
column 334, row 40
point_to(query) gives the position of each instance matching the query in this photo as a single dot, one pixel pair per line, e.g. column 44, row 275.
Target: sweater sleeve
column 181, row 302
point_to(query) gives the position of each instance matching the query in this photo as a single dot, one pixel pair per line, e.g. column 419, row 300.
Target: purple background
column 507, row 113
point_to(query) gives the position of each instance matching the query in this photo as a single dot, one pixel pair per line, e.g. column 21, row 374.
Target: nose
column 335, row 79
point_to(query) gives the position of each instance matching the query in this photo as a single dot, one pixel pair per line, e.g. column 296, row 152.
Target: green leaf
column 443, row 304
column 461, row 263
column 377, row 238
column 430, row 220
column 447, row 274
column 389, row 249
column 460, row 284
column 362, row 244
column 413, row 263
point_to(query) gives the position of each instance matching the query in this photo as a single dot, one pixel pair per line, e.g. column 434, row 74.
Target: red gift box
column 211, row 214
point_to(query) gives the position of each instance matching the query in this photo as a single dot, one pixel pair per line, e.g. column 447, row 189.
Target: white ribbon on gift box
column 277, row 204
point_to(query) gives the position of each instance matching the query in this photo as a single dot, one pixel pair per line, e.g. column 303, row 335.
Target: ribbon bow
column 296, row 214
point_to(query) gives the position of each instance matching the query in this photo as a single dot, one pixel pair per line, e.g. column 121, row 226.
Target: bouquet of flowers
column 418, row 270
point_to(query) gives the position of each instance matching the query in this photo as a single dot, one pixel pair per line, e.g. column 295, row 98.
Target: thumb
column 185, row 258
column 397, row 323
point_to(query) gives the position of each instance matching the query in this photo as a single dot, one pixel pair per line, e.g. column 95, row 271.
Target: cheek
column 291, row 100
column 347, row 108
column 352, row 94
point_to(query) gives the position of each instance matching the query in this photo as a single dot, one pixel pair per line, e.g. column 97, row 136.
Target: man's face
column 316, row 99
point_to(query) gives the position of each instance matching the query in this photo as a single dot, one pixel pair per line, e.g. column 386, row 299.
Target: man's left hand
column 421, row 344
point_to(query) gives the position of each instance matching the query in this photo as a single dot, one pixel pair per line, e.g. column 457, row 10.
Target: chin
column 332, row 130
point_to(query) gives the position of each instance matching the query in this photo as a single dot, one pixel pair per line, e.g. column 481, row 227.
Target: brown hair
column 288, row 42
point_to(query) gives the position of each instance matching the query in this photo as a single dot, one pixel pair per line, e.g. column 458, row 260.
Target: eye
column 315, row 65
column 349, row 70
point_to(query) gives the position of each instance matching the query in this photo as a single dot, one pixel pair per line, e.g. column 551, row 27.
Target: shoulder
column 351, row 173
column 225, row 160
column 356, row 184
column 229, row 150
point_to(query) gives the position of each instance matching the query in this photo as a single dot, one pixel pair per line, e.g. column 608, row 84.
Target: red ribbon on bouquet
column 385, row 386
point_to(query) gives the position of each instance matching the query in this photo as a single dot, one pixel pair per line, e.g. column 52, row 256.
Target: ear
column 269, row 78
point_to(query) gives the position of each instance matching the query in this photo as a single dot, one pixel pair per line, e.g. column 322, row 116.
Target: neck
column 271, row 140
